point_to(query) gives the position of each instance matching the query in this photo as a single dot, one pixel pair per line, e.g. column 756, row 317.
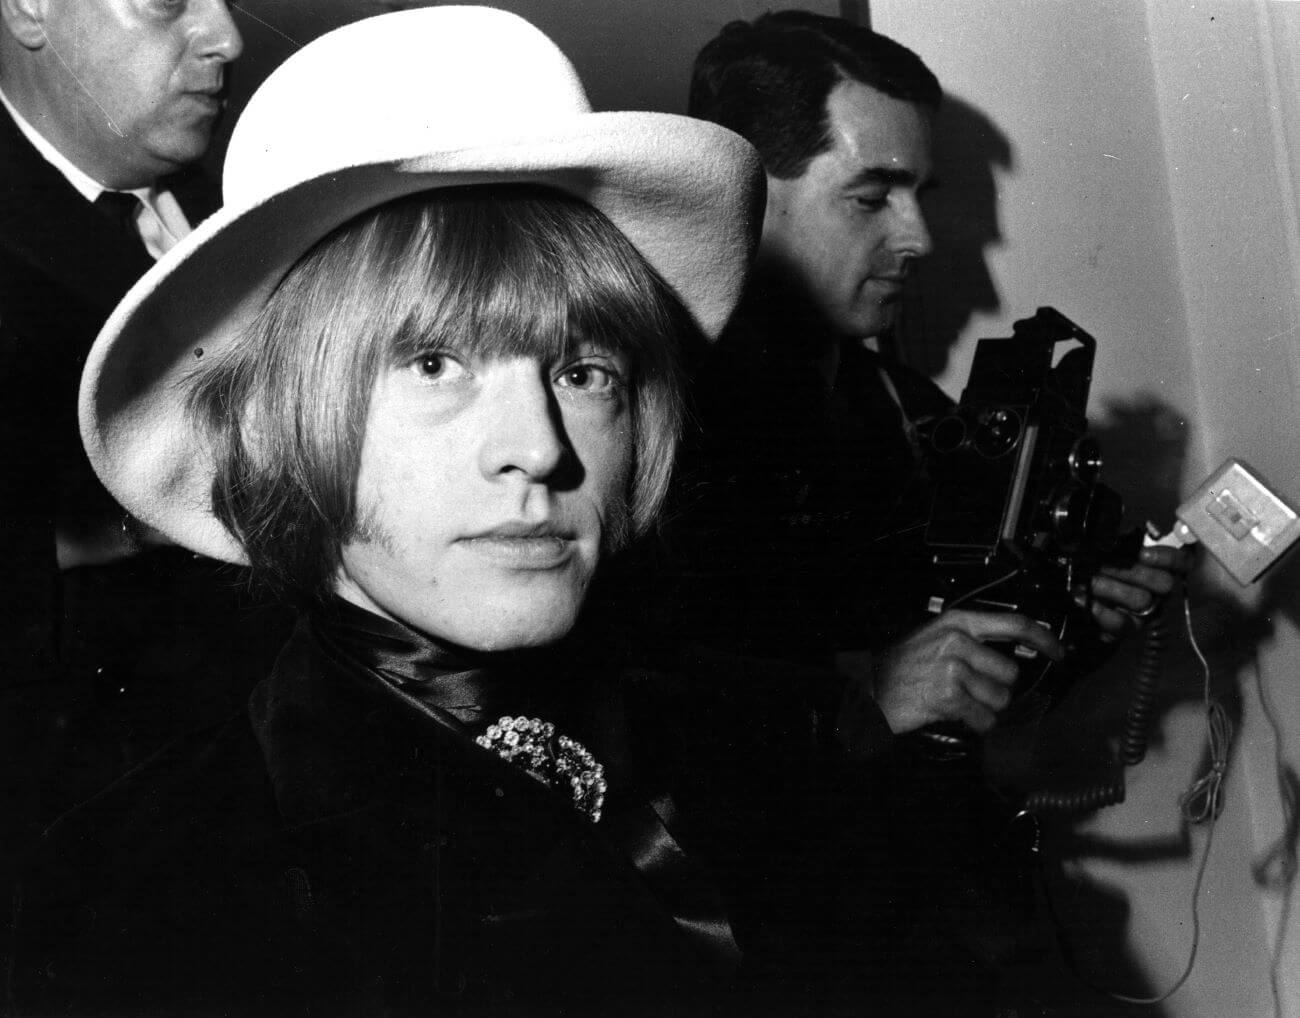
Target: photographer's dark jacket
column 801, row 503
column 343, row 847
column 798, row 534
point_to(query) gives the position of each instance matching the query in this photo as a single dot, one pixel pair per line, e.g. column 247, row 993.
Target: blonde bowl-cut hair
column 488, row 270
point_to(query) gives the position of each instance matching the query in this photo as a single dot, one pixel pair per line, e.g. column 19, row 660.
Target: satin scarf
column 466, row 691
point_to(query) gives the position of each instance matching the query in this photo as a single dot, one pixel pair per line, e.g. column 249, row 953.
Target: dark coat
column 333, row 851
column 88, row 657
column 63, row 268
column 800, row 505
column 799, row 533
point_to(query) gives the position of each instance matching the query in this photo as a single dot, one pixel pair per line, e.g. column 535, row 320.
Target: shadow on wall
column 1083, row 947
column 1146, row 443
column 954, row 282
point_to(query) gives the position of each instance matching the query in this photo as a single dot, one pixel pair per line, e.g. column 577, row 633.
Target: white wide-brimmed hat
column 385, row 107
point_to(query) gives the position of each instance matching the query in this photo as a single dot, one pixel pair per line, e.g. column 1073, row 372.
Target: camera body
column 1020, row 520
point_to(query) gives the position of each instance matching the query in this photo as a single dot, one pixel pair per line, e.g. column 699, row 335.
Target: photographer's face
column 845, row 232
column 487, row 491
column 133, row 87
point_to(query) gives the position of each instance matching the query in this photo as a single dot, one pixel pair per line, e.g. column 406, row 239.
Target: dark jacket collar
column 361, row 724
column 342, row 729
column 49, row 227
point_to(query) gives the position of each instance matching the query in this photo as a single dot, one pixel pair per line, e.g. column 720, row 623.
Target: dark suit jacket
column 87, row 657
column 63, row 268
column 800, row 505
column 334, row 851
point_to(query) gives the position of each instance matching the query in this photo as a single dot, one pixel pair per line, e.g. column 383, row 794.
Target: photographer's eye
column 871, row 202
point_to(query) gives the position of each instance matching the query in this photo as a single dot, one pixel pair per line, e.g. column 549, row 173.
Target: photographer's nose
column 912, row 234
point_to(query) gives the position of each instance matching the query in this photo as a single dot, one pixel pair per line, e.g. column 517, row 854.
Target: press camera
column 1020, row 519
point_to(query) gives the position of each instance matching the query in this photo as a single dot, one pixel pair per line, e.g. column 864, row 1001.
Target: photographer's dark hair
column 768, row 81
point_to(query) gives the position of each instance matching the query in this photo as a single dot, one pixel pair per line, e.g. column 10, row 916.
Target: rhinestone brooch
column 557, row 761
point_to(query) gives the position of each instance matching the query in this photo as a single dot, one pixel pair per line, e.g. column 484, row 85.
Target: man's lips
column 211, row 96
column 887, row 287
column 523, row 545
column 208, row 102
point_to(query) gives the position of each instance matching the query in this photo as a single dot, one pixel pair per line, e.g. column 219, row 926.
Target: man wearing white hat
column 422, row 374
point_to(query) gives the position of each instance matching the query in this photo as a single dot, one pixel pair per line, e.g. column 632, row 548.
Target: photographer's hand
column 1123, row 597
column 944, row 671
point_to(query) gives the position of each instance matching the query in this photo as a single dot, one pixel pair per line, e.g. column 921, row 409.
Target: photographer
column 804, row 498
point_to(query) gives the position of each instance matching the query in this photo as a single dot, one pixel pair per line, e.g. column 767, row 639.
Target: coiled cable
column 1133, row 740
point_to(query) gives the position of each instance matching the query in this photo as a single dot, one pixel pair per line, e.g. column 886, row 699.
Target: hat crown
column 397, row 86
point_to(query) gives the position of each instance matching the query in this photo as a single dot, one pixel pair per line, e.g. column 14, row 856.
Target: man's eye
column 168, row 10
column 871, row 202
column 434, row 366
column 587, row 377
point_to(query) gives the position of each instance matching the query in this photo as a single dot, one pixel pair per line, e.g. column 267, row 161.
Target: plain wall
column 1133, row 167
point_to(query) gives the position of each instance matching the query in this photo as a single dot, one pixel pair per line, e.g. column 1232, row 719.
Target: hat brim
column 686, row 193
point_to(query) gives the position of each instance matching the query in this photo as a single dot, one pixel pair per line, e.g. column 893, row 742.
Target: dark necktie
column 119, row 208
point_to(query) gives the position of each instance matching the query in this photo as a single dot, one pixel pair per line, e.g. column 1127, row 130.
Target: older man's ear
column 24, row 20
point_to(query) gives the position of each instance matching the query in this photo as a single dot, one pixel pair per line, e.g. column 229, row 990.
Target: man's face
column 131, row 87
column 487, row 491
column 846, row 231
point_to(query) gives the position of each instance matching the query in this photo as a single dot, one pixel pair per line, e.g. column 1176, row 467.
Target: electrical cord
column 1276, row 868
column 1141, row 708
column 1133, row 740
column 1201, row 803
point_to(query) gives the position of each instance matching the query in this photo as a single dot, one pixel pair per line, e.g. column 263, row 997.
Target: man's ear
column 25, row 21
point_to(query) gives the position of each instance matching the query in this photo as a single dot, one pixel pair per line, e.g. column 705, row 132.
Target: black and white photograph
column 594, row 509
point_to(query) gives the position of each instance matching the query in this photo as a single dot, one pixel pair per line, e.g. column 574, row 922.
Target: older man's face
column 847, row 230
column 135, row 85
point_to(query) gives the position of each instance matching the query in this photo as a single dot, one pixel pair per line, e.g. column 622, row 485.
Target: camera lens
column 949, row 434
column 998, row 432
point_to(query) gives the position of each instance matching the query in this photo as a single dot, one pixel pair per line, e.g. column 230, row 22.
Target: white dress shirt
column 159, row 220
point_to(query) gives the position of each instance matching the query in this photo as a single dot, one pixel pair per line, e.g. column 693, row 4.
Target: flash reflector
column 1241, row 521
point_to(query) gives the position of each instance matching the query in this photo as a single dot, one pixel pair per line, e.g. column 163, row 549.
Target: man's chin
column 180, row 148
column 515, row 634
column 516, row 619
column 868, row 323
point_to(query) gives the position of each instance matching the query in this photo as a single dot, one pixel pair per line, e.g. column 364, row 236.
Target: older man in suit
column 104, row 100
column 106, row 106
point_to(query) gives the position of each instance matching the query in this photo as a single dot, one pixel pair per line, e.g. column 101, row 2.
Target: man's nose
column 911, row 233
column 215, row 33
column 522, row 432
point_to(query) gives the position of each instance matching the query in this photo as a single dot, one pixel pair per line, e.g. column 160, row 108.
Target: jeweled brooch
column 556, row 761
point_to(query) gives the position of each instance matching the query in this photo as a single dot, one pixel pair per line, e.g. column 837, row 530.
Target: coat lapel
column 47, row 227
column 431, row 833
